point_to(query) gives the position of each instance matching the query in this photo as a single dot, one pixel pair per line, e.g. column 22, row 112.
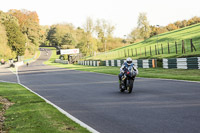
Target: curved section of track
column 157, row 106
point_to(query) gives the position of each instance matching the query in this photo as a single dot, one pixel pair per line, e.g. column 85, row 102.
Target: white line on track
column 18, row 80
column 8, row 82
column 64, row 112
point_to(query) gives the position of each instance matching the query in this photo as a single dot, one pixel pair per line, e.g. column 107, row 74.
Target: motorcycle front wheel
column 130, row 86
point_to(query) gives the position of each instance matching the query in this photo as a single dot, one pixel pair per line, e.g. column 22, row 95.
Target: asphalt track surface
column 156, row 106
column 6, row 74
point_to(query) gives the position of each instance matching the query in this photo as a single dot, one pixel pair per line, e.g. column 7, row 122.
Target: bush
column 63, row 57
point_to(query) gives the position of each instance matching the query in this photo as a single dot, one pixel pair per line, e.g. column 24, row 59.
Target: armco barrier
column 148, row 63
column 182, row 63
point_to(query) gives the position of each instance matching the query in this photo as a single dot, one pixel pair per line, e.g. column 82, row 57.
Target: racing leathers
column 124, row 67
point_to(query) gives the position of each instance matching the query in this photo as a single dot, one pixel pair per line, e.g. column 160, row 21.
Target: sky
column 123, row 14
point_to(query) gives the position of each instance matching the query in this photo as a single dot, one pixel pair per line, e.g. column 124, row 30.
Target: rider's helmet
column 129, row 61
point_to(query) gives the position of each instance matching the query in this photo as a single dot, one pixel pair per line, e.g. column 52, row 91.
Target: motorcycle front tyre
column 130, row 87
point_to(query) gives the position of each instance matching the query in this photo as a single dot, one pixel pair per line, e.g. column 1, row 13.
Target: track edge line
column 64, row 112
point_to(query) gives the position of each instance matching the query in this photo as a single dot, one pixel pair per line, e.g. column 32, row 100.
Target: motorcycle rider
column 125, row 65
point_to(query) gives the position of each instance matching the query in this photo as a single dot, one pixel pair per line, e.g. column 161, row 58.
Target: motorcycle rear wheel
column 122, row 90
column 120, row 87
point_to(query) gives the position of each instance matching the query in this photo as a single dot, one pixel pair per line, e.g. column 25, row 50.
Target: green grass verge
column 53, row 55
column 1, row 105
column 192, row 75
column 31, row 114
column 180, row 74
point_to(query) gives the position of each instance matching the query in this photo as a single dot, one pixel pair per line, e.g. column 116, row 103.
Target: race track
column 156, row 106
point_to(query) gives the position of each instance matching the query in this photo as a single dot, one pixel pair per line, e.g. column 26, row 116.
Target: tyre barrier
column 148, row 63
column 182, row 63
column 17, row 64
column 89, row 63
column 61, row 61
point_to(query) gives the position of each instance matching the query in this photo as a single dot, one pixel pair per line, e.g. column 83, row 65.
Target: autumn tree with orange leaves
column 29, row 26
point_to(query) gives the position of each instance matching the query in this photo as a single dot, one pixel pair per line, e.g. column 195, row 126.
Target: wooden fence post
column 128, row 53
column 132, row 51
column 192, row 46
column 176, row 47
column 183, row 47
column 158, row 49
column 162, row 48
column 150, row 51
column 155, row 50
column 136, row 51
column 125, row 52
column 168, row 49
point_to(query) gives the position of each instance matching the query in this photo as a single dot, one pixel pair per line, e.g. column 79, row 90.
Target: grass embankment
column 186, row 33
column 53, row 57
column 31, row 114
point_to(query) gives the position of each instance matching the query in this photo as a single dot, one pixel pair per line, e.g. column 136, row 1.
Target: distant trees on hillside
column 143, row 26
column 144, row 30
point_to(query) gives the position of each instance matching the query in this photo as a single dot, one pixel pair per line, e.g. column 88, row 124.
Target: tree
column 157, row 30
column 43, row 35
column 193, row 20
column 89, row 28
column 135, row 35
column 68, row 41
column 5, row 50
column 51, row 36
column 58, row 32
column 110, row 29
column 183, row 23
column 29, row 24
column 143, row 26
column 177, row 24
column 104, row 31
column 171, row 27
column 16, row 40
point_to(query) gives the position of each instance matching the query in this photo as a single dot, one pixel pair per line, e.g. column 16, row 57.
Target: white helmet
column 129, row 61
